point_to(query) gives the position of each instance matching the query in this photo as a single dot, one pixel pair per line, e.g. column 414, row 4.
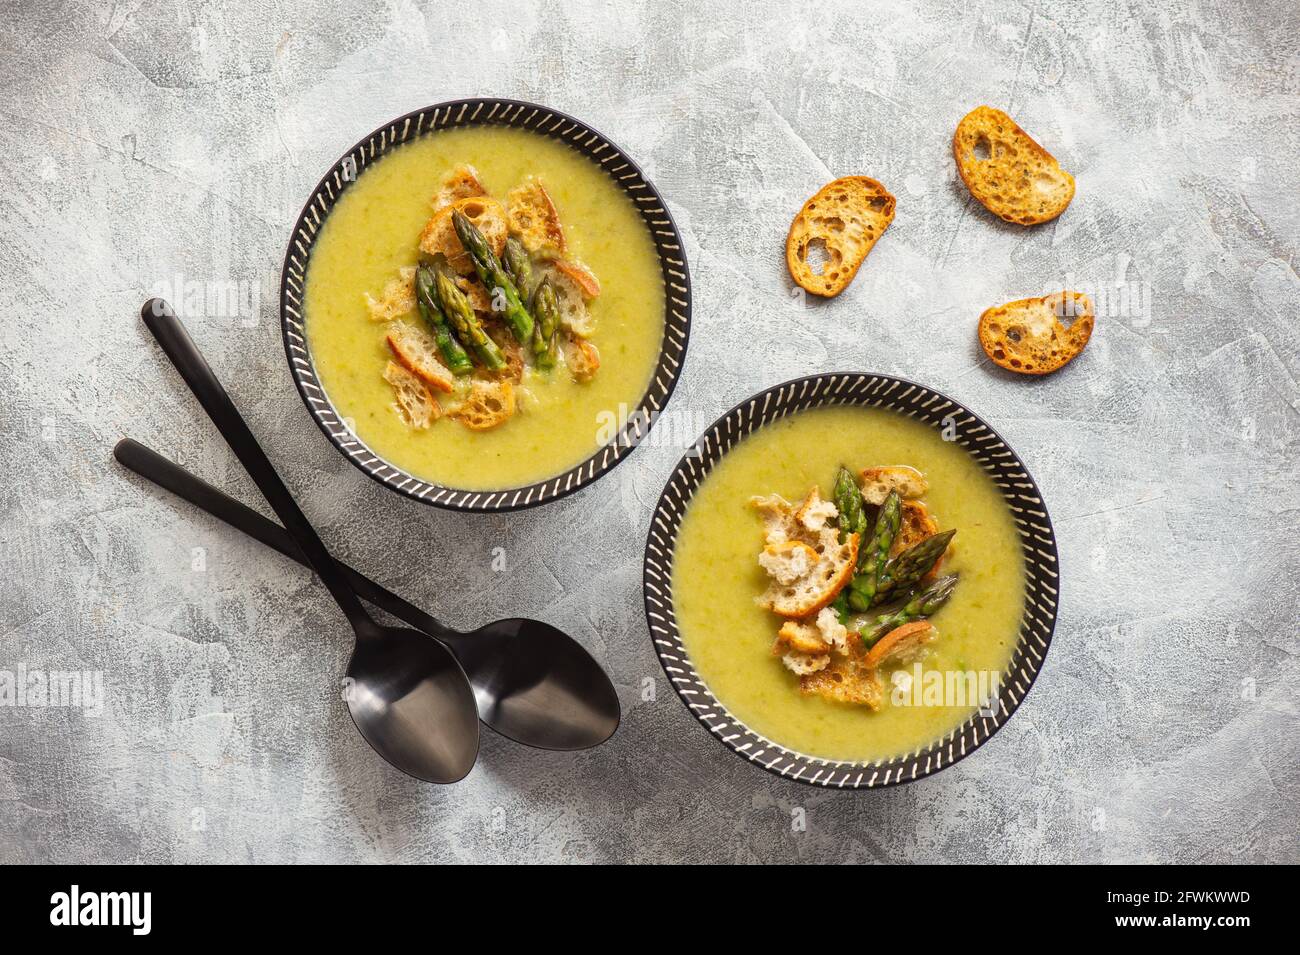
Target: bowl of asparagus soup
column 484, row 304
column 851, row 580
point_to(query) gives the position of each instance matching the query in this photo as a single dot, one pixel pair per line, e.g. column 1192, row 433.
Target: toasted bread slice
column 813, row 513
column 805, row 663
column 416, row 406
column 1007, row 171
column 846, row 679
column 799, row 637
column 809, row 594
column 581, row 357
column 480, row 299
column 511, row 350
column 570, row 300
column 914, row 526
column 778, row 518
column 901, row 645
column 439, row 235
column 417, row 352
column 489, row 404
column 461, row 183
column 581, row 276
column 843, row 219
column 878, row 482
column 1026, row 335
column 788, row 560
column 533, row 218
column 397, row 298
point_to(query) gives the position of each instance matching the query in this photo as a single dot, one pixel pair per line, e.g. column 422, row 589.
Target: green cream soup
column 373, row 231
column 716, row 578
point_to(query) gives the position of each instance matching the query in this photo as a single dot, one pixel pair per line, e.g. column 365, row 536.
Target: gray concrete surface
column 146, row 145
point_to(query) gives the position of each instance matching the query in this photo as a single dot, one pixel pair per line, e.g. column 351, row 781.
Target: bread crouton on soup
column 836, row 560
column 461, row 183
column 489, row 404
column 417, row 352
column 397, row 298
column 846, row 679
column 877, row 482
column 533, row 218
column 439, row 235
column 413, row 401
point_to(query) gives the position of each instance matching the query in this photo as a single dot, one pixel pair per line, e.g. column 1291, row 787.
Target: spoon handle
column 170, row 476
column 194, row 368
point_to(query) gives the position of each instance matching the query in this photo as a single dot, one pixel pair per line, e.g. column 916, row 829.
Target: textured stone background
column 144, row 143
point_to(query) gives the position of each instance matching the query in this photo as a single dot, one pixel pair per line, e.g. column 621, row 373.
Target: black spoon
column 533, row 683
column 407, row 694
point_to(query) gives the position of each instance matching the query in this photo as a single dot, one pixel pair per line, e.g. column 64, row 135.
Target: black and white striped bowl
column 1038, row 543
column 518, row 115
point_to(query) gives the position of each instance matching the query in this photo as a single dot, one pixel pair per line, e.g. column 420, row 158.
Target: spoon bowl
column 409, row 698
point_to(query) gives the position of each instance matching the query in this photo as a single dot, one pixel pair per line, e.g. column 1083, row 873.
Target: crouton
column 581, row 276
column 480, row 299
column 778, row 517
column 489, row 404
column 878, row 482
column 397, row 298
column 799, row 637
column 1026, row 336
column 1007, row 171
column 787, row 561
column 843, row 220
column 581, row 357
column 809, row 594
column 570, row 302
column 846, row 679
column 813, row 513
column 415, row 349
column 439, row 235
column 900, row 646
column 915, row 525
column 414, row 404
column 461, row 183
column 531, row 216
column 805, row 663
column 511, row 350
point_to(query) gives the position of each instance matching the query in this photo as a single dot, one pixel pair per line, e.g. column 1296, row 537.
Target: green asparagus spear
column 461, row 317
column 518, row 266
column 912, row 564
column 547, row 310
column 873, row 555
column 848, row 501
column 494, row 277
column 426, row 299
column 925, row 603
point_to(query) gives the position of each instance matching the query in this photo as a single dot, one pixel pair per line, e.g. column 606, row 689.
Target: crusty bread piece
column 569, row 300
column 787, row 561
column 581, row 276
column 533, row 218
column 416, row 406
column 511, row 350
column 809, row 594
column 915, row 525
column 489, row 404
column 846, row 679
column 415, row 349
column 800, row 637
column 581, row 357
column 1026, row 335
column 878, row 482
column 439, row 235
column 778, row 518
column 813, row 513
column 480, row 299
column 397, row 298
column 805, row 663
column 461, row 183
column 1007, row 171
column 844, row 218
column 900, row 646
